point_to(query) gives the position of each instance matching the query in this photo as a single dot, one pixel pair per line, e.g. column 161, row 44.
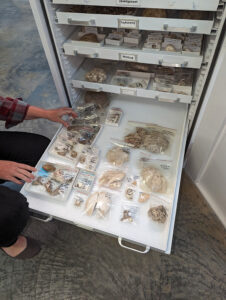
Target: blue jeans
column 13, row 186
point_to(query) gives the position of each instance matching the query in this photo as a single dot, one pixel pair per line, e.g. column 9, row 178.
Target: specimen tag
column 128, row 23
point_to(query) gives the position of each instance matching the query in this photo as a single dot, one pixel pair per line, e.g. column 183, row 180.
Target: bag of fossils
column 111, row 178
column 153, row 138
column 98, row 204
column 156, row 176
column 159, row 212
column 129, row 214
column 66, row 149
column 117, row 154
column 88, row 158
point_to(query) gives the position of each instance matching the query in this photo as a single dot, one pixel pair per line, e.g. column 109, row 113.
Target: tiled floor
column 82, row 265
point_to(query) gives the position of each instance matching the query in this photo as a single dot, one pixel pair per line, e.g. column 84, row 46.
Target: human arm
column 54, row 115
column 14, row 111
column 15, row 172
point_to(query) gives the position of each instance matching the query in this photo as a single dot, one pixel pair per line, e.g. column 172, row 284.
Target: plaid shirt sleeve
column 13, row 111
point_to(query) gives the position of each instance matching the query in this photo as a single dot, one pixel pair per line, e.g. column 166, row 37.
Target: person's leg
column 22, row 147
column 13, row 218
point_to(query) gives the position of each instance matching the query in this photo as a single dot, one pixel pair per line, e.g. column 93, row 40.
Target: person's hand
column 56, row 115
column 12, row 171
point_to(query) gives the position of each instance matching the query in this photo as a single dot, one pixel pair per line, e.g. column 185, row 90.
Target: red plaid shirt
column 13, row 111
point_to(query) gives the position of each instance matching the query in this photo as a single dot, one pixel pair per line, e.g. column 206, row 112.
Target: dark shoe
column 32, row 249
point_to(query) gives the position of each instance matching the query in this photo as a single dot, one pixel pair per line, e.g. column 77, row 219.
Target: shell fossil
column 49, row 167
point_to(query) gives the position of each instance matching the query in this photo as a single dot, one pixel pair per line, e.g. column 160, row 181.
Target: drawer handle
column 48, row 219
column 189, row 29
column 99, row 89
column 147, row 249
column 84, row 23
column 92, row 55
column 182, row 65
column 167, row 100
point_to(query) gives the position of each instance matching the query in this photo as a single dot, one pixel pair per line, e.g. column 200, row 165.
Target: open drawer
column 170, row 59
column 65, row 16
column 79, row 81
column 143, row 232
column 167, row 4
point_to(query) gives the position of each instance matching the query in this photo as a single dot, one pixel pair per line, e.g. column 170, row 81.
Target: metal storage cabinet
column 68, row 60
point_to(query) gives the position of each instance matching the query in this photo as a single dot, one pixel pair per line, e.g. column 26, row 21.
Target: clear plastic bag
column 156, row 176
column 151, row 137
column 114, row 116
column 159, row 211
column 129, row 214
column 98, row 204
column 84, row 134
column 89, row 158
column 112, row 178
column 84, row 182
column 118, row 154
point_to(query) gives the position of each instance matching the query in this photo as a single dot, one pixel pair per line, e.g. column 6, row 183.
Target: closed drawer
column 142, row 233
column 133, row 22
column 167, row 4
column 170, row 59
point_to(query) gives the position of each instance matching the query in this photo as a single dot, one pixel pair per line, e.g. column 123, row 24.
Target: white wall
column 206, row 158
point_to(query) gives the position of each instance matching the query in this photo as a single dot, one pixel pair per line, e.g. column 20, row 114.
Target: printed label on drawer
column 128, row 2
column 127, row 91
column 127, row 57
column 128, row 23
column 167, row 100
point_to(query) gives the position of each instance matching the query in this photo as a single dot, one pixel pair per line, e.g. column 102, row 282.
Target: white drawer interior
column 143, row 232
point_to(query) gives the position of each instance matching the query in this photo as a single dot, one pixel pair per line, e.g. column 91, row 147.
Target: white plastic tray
column 168, row 4
column 158, row 237
column 133, row 22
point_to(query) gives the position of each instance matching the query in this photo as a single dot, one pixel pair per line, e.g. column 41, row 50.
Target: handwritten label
column 127, row 57
column 128, row 23
column 128, row 2
column 127, row 91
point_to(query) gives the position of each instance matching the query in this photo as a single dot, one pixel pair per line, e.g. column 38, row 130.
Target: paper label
column 127, row 57
column 127, row 91
column 128, row 23
column 90, row 29
column 128, row 2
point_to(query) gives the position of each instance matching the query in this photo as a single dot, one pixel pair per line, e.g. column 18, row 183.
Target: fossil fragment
column 143, row 197
column 158, row 214
column 117, row 156
column 103, row 204
column 89, row 37
column 112, row 179
column 127, row 216
column 74, row 154
column 91, row 204
column 52, row 187
column 129, row 193
column 49, row 167
column 96, row 75
column 153, row 180
column 155, row 142
column 154, row 13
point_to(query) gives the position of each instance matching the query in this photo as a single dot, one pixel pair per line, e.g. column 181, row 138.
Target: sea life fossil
column 158, row 214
